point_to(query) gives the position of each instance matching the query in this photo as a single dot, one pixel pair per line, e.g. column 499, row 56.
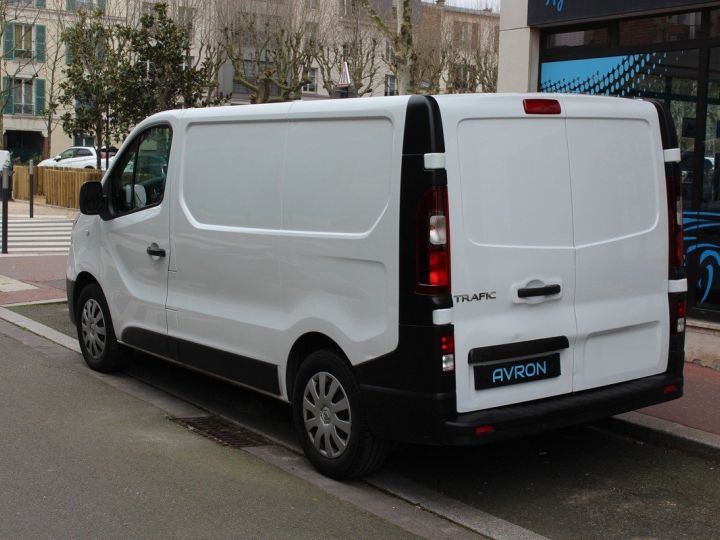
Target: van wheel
column 95, row 332
column 329, row 419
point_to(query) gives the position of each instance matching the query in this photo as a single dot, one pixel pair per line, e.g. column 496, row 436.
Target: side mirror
column 92, row 199
column 57, row 158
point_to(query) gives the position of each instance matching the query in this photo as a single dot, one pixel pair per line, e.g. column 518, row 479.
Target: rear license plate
column 517, row 371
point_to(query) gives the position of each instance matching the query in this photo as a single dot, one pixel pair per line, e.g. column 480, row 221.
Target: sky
column 475, row 3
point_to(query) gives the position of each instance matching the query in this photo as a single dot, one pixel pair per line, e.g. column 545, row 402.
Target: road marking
column 8, row 284
column 39, row 235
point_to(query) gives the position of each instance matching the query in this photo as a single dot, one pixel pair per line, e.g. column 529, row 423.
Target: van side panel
column 341, row 190
column 286, row 223
column 223, row 287
column 620, row 209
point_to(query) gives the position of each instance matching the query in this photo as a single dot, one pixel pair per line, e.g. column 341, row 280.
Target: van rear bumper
column 427, row 419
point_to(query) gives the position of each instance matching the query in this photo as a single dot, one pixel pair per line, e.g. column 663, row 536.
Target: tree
column 404, row 55
column 270, row 45
column 17, row 25
column 474, row 68
column 159, row 72
column 92, row 85
column 124, row 70
column 355, row 41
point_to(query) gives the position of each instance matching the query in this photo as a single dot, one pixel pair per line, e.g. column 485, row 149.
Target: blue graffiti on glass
column 557, row 4
column 519, row 372
column 706, row 253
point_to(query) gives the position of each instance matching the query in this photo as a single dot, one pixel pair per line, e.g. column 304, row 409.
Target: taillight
column 433, row 242
column 447, row 350
column 678, row 312
column 675, row 214
column 542, row 106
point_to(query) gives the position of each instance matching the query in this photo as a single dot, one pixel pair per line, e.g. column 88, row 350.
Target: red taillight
column 439, row 269
column 542, row 106
column 447, row 353
column 433, row 242
column 484, row 430
column 671, row 389
column 447, row 344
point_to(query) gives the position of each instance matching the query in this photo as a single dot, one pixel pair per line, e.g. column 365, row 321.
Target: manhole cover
column 223, row 432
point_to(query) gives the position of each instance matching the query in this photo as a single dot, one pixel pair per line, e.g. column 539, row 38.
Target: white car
column 76, row 157
column 449, row 270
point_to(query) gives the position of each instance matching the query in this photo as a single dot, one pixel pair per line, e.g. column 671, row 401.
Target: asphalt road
column 81, row 459
column 585, row 482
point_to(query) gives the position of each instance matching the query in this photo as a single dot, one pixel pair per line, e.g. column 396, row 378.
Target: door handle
column 154, row 251
column 533, row 292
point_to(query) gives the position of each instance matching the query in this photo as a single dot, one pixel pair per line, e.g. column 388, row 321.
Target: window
column 389, row 52
column 312, row 86
column 348, row 7
column 23, row 96
column 67, row 154
column 185, row 17
column 148, row 8
column 84, row 5
column 660, row 29
column 84, row 140
column 83, row 152
column 461, row 33
column 138, row 179
column 580, row 38
column 390, row 85
column 23, row 41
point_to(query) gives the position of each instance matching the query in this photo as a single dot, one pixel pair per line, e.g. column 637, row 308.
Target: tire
column 96, row 335
column 329, row 420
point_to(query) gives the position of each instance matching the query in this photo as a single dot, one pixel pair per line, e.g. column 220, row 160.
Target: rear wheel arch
column 303, row 347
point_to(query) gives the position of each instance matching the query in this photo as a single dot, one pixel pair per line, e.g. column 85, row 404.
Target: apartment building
column 445, row 35
column 33, row 61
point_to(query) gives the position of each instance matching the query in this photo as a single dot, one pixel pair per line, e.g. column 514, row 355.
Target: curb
column 666, row 433
column 39, row 329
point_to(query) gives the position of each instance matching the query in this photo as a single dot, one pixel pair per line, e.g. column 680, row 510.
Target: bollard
column 31, row 187
column 5, row 198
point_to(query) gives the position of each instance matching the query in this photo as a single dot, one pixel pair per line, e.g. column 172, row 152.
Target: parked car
column 77, row 157
column 450, row 270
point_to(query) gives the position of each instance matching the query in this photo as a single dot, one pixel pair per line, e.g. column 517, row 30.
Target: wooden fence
column 62, row 186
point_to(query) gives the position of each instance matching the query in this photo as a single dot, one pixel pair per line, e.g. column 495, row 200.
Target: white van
column 449, row 270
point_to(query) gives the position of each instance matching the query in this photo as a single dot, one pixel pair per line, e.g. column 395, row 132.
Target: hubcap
column 92, row 327
column 326, row 412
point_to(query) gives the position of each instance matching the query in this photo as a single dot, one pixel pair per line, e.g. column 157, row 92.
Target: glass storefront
column 674, row 58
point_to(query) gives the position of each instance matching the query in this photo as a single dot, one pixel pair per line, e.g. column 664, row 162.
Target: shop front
column 668, row 50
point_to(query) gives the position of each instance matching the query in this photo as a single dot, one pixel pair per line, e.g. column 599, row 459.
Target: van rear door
column 512, row 249
column 621, row 239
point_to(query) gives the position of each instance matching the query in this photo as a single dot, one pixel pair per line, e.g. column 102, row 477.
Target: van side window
column 138, row 178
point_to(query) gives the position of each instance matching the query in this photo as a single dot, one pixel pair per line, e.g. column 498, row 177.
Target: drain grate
column 222, row 431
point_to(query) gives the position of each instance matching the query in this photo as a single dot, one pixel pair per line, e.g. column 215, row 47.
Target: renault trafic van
column 452, row 270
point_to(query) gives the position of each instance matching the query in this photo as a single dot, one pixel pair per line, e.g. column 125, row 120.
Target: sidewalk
column 20, row 208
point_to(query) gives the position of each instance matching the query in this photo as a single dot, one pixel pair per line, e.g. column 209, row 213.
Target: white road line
column 39, row 235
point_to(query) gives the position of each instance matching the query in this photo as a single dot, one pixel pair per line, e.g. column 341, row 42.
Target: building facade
column 668, row 50
column 445, row 34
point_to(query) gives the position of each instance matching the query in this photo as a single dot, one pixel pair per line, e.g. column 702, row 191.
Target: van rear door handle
column 154, row 251
column 533, row 292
